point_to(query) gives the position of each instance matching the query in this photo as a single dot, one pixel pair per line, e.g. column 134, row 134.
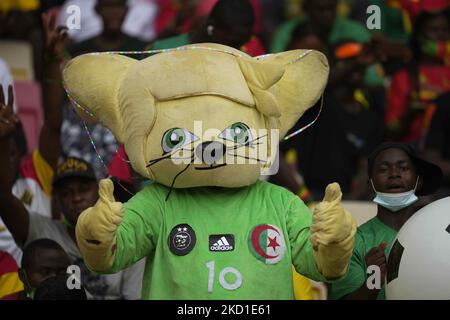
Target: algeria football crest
column 267, row 244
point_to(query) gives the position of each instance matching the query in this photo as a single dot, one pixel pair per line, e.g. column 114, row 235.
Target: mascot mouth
column 211, row 167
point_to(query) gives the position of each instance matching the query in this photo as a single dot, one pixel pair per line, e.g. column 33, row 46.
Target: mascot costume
column 209, row 227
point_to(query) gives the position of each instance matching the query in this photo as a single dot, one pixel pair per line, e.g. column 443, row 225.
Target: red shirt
column 434, row 80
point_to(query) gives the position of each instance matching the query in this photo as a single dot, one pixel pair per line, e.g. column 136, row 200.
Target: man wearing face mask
column 399, row 178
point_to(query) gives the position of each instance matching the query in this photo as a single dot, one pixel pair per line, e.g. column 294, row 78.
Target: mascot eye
column 177, row 137
column 238, row 132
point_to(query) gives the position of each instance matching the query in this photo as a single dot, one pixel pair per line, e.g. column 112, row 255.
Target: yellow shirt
column 302, row 287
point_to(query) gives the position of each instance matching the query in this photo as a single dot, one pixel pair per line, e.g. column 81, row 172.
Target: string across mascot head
column 191, row 119
column 158, row 106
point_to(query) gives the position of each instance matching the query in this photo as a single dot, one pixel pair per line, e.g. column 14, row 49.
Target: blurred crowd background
column 385, row 84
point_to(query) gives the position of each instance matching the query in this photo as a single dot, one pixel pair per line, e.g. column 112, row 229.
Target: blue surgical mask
column 395, row 201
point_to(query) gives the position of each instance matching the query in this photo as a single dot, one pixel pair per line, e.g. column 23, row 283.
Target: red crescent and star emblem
column 267, row 244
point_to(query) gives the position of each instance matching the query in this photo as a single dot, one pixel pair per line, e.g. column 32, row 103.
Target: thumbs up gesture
column 96, row 229
column 332, row 234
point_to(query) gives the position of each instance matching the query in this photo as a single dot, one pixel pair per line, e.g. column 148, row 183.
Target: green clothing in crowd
column 343, row 29
column 172, row 42
column 368, row 235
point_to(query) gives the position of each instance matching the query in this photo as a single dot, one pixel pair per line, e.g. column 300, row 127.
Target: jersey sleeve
column 299, row 219
column 356, row 275
column 138, row 233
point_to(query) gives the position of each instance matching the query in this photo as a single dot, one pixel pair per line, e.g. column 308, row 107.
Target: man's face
column 393, row 172
column 76, row 195
column 322, row 13
column 46, row 263
column 113, row 14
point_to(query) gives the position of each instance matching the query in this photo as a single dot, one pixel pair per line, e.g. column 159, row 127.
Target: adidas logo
column 221, row 242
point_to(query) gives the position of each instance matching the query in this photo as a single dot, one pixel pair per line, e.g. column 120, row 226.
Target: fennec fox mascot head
column 201, row 115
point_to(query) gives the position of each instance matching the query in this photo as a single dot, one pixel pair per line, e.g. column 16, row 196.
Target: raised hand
column 331, row 223
column 332, row 234
column 106, row 200
column 377, row 257
column 96, row 228
column 8, row 120
column 56, row 38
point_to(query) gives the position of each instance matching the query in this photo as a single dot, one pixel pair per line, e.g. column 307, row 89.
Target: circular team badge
column 267, row 244
column 181, row 239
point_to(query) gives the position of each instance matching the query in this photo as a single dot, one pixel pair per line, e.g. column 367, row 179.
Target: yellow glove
column 96, row 229
column 332, row 234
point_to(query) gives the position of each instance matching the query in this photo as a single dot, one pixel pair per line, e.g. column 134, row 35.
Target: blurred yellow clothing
column 10, row 283
column 23, row 5
column 303, row 289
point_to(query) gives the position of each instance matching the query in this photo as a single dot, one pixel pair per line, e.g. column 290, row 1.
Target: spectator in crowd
column 32, row 174
column 42, row 259
column 112, row 38
column 19, row 20
column 334, row 148
column 306, row 36
column 55, row 288
column 414, row 89
column 138, row 23
column 323, row 15
column 398, row 176
column 230, row 23
column 10, row 284
column 7, row 244
column 437, row 147
column 74, row 139
column 75, row 189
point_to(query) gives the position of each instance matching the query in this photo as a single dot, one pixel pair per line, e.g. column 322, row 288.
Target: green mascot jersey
column 217, row 243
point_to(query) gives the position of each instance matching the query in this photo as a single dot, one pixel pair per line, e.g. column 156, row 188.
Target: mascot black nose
column 210, row 151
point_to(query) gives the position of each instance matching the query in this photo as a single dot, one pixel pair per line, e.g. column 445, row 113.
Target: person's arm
column 333, row 232
column 298, row 222
column 321, row 244
column 53, row 91
column 113, row 236
column 356, row 274
column 363, row 293
column 375, row 257
column 12, row 210
column 137, row 235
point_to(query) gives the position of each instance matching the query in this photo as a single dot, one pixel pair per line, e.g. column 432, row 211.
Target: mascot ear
column 94, row 81
column 260, row 75
column 302, row 84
